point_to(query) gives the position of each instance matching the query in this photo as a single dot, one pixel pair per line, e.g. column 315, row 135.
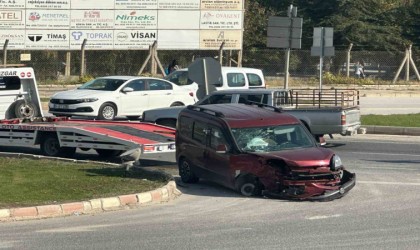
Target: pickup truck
column 322, row 112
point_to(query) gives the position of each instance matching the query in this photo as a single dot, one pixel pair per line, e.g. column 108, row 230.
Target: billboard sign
column 122, row 24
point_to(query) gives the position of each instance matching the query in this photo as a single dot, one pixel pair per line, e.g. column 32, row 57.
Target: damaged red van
column 257, row 150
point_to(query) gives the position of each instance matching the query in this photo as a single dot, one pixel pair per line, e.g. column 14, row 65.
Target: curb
column 164, row 194
column 388, row 130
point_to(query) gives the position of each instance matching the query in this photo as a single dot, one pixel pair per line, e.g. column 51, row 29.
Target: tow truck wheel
column 108, row 153
column 25, row 109
column 249, row 186
column 50, row 146
column 186, row 173
column 107, row 111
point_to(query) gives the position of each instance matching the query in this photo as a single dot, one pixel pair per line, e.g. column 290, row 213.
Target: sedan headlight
column 87, row 100
column 336, row 163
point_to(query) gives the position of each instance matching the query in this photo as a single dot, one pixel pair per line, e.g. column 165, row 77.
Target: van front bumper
column 348, row 181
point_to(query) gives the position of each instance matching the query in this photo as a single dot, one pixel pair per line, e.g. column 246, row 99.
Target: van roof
column 243, row 115
column 246, row 91
column 226, row 68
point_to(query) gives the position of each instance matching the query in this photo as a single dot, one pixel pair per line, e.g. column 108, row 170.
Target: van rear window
column 9, row 83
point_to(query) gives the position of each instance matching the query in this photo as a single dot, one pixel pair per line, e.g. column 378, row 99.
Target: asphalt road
column 388, row 104
column 381, row 212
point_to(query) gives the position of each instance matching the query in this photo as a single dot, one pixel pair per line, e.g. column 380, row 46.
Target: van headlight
column 336, row 163
column 87, row 100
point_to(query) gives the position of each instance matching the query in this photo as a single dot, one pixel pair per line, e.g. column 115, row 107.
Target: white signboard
column 48, row 4
column 47, row 39
column 136, row 4
column 47, row 19
column 12, row 19
column 134, row 39
column 96, row 39
column 222, row 4
column 15, row 4
column 16, row 38
column 212, row 39
column 121, row 24
column 136, row 19
column 182, row 39
column 182, row 19
column 91, row 4
column 179, row 4
column 92, row 19
column 221, row 20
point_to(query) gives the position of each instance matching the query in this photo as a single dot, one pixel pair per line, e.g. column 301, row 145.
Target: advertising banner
column 47, row 39
column 12, row 19
column 179, row 4
column 121, row 24
column 16, row 38
column 134, row 39
column 212, row 39
column 136, row 19
column 136, row 4
column 221, row 20
column 48, row 4
column 95, row 39
column 47, row 19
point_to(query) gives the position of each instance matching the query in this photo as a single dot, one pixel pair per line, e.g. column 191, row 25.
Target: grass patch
column 29, row 182
column 403, row 120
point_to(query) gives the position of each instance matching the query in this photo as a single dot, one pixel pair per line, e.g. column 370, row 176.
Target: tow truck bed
column 86, row 134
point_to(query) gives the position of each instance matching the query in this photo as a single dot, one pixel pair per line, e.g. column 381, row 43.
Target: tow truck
column 61, row 136
column 22, row 123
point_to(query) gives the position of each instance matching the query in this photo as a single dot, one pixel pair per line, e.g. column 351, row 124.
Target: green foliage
column 385, row 25
column 85, row 78
column 405, row 120
column 331, row 79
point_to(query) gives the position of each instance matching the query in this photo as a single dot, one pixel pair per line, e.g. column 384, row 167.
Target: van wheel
column 107, row 111
column 25, row 109
column 186, row 172
column 108, row 153
column 50, row 146
column 249, row 186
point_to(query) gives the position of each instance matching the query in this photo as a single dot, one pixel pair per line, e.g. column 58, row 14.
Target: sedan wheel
column 107, row 112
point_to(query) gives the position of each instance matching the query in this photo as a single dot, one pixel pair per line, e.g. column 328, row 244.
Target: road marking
column 322, row 217
column 73, row 229
column 389, row 183
column 367, row 153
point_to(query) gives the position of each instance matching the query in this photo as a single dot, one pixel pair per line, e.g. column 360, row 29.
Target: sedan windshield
column 273, row 138
column 105, row 84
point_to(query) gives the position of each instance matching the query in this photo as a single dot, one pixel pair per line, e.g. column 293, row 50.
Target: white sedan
column 108, row 97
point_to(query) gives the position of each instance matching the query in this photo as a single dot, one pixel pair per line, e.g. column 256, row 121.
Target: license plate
column 61, row 106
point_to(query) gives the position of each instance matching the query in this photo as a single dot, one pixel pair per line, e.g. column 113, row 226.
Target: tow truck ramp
column 62, row 136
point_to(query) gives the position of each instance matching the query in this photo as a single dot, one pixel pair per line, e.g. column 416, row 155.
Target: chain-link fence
column 50, row 65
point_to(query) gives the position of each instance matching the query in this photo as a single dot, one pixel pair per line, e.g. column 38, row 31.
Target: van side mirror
column 221, row 149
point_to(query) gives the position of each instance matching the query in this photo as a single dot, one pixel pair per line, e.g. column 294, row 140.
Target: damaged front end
column 304, row 180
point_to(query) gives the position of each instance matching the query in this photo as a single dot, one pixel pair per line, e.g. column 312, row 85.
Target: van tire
column 50, row 146
column 107, row 111
column 186, row 173
column 249, row 185
column 25, row 109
